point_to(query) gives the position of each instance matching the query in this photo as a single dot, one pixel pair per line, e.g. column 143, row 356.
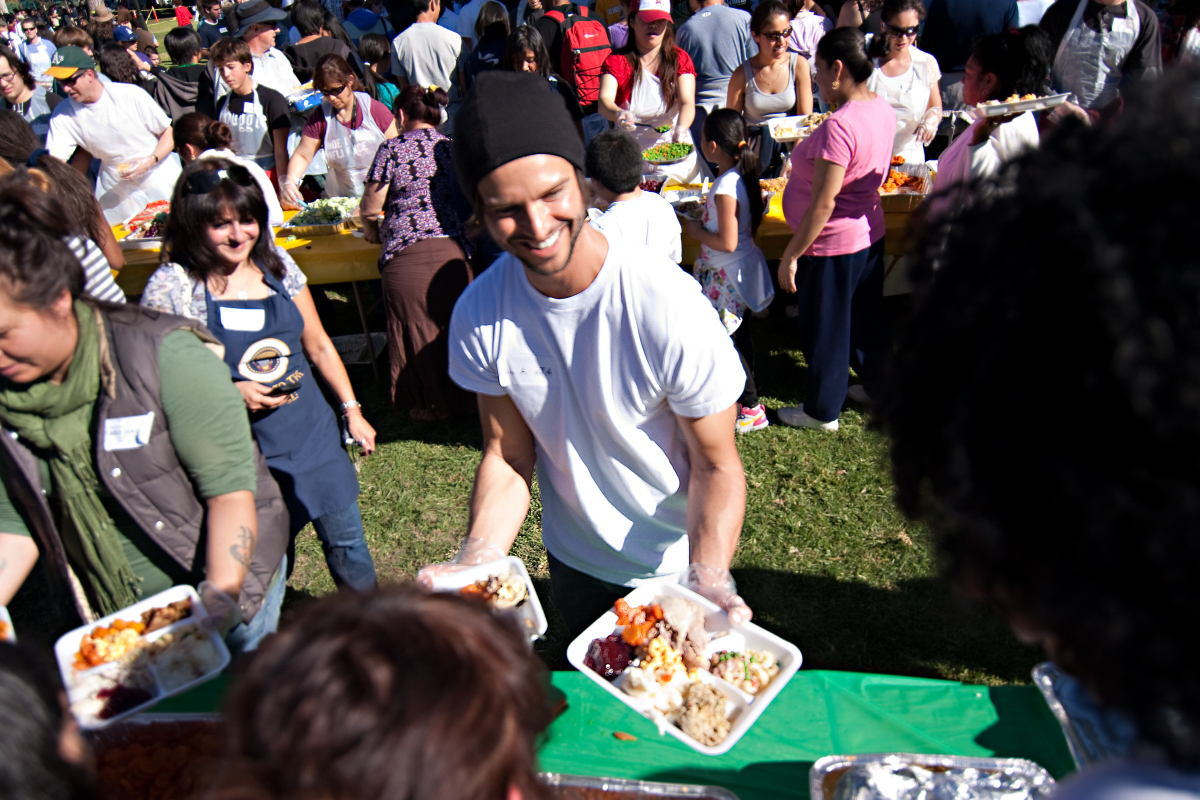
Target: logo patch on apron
column 264, row 361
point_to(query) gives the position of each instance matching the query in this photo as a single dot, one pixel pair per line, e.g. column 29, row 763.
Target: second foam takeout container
column 742, row 708
column 76, row 681
column 531, row 613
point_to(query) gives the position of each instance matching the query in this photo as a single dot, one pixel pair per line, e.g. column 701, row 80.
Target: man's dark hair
column 615, row 160
column 31, row 767
column 183, row 45
column 1045, row 406
column 309, row 17
column 421, row 6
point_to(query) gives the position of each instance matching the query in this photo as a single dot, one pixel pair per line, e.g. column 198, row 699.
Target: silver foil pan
column 583, row 787
column 888, row 776
column 1093, row 733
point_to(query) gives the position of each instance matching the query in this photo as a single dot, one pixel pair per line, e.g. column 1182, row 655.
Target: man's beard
column 544, row 269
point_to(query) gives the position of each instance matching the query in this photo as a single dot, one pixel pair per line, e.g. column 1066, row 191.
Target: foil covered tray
column 912, row 776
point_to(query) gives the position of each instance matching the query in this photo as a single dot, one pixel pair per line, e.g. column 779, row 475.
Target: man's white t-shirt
column 600, row 378
column 646, row 219
column 426, row 54
column 124, row 124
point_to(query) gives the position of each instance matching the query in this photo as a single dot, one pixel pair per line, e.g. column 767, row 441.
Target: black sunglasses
column 775, row 36
column 894, row 31
column 206, row 180
column 333, row 91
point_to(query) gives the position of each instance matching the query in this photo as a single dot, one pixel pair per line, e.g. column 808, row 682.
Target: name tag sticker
column 527, row 371
column 243, row 319
column 222, row 30
column 128, row 433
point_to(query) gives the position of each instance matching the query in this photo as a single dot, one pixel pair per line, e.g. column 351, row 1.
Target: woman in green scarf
column 126, row 459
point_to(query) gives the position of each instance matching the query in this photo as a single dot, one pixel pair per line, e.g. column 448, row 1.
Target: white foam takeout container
column 531, row 614
column 1021, row 106
column 12, row 632
column 68, row 645
column 742, row 708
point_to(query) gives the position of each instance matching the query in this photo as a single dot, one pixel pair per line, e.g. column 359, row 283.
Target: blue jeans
column 246, row 636
column 346, row 553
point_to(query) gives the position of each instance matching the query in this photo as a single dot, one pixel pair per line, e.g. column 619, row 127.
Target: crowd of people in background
column 527, row 275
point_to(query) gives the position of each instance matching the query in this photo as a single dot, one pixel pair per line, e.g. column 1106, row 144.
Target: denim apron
column 300, row 438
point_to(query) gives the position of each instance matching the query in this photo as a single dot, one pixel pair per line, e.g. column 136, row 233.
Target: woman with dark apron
column 252, row 296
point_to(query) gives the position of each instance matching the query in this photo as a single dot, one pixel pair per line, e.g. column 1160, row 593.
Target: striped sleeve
column 97, row 277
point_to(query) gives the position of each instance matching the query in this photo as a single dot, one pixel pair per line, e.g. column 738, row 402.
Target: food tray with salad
column 1019, row 105
column 667, row 152
column 323, row 217
column 144, row 230
column 673, row 656
column 504, row 585
column 897, row 776
column 128, row 661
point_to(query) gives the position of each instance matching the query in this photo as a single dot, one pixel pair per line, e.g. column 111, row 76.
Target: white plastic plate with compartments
column 531, row 614
column 742, row 708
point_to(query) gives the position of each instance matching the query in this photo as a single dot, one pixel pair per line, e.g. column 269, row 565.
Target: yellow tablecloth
column 774, row 234
column 346, row 256
column 339, row 258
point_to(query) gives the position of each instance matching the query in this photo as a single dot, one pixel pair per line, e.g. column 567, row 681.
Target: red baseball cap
column 654, row 9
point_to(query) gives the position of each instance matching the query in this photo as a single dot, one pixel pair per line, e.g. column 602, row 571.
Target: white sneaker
column 795, row 416
column 858, row 394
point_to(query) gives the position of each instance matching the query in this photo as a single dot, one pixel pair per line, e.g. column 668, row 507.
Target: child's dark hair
column 421, row 104
column 727, row 130
column 615, row 160
column 183, row 45
column 1021, row 59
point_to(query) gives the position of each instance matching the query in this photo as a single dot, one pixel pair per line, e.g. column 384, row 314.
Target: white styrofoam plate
column 743, row 708
column 1021, row 106
column 68, row 645
column 796, row 124
column 530, row 612
column 12, row 632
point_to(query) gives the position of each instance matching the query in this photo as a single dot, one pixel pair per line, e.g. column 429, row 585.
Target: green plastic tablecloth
column 817, row 714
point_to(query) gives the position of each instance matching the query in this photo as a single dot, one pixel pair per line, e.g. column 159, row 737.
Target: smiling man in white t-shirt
column 599, row 362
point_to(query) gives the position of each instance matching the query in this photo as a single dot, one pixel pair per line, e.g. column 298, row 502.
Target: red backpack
column 585, row 45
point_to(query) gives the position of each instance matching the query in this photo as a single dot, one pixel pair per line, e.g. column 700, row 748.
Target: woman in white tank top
column 907, row 77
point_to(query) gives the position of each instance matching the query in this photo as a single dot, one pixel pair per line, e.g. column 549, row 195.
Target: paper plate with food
column 667, row 152
column 673, row 656
column 793, row 129
column 128, row 661
column 1019, row 104
column 144, row 230
column 503, row 585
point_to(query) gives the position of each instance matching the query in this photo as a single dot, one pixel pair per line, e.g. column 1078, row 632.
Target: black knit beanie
column 510, row 115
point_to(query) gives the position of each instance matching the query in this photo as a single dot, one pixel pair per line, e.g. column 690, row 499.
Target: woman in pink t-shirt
column 832, row 203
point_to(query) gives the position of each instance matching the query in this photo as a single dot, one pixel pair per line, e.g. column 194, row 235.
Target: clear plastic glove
column 474, row 551
column 136, row 168
column 221, row 612
column 718, row 585
column 678, row 135
column 928, row 126
column 289, row 195
column 626, row 121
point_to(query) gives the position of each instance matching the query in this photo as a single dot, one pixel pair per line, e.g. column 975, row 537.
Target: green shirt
column 210, row 430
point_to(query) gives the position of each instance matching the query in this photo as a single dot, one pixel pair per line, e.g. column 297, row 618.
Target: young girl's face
column 710, row 149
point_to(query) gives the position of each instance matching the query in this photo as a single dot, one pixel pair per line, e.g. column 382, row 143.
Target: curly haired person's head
column 1045, row 407
column 397, row 693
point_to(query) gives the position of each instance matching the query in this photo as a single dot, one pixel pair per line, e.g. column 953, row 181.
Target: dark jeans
column 842, row 324
column 346, row 553
column 579, row 597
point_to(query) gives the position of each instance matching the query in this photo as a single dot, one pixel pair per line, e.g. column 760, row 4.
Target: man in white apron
column 121, row 125
column 257, row 116
column 1097, row 45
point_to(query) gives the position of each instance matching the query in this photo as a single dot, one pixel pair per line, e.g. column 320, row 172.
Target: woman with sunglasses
column 907, row 77
column 348, row 125
column 226, row 272
column 128, row 463
column 773, row 83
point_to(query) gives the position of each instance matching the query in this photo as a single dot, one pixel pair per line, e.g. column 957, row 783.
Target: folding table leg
column 362, row 316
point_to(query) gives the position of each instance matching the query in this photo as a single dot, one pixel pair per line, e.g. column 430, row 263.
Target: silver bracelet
column 349, row 404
